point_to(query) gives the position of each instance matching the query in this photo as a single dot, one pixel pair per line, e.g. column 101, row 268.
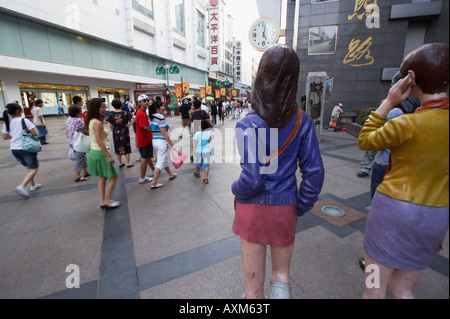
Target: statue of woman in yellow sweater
column 409, row 215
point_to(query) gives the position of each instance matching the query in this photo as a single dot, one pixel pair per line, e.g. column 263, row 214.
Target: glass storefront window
column 144, row 6
column 201, row 37
column 50, row 94
column 177, row 14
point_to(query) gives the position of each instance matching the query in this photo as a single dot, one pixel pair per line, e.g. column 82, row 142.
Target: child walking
column 202, row 150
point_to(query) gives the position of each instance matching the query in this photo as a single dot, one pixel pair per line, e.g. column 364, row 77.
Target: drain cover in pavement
column 350, row 214
column 332, row 211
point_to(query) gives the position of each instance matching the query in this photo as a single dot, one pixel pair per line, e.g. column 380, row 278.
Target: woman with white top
column 100, row 160
column 161, row 143
column 12, row 130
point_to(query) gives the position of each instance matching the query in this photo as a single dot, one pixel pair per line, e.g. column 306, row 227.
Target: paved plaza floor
column 175, row 242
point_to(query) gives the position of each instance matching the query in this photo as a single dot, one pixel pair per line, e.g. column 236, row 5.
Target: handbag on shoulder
column 29, row 142
column 81, row 142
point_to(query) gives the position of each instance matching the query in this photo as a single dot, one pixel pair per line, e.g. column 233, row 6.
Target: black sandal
column 206, row 181
column 81, row 179
column 362, row 263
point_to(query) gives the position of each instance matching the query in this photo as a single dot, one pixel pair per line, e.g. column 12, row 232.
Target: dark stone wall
column 356, row 86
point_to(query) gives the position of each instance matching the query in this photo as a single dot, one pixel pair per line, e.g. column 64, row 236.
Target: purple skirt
column 403, row 235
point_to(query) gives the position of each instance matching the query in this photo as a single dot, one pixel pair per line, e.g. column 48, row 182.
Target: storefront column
column 93, row 91
column 11, row 91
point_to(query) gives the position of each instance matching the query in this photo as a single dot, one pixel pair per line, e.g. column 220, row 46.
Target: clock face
column 263, row 33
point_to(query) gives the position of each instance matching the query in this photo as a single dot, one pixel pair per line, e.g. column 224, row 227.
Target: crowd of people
column 146, row 117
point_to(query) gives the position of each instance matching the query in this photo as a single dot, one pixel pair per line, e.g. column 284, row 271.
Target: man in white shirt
column 337, row 110
column 38, row 120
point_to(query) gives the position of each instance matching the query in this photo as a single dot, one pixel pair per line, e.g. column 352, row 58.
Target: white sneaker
column 22, row 191
column 145, row 180
column 35, row 187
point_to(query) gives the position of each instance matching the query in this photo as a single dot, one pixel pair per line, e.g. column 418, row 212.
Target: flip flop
column 81, row 179
column 113, row 205
column 173, row 177
column 130, row 165
column 157, row 186
column 122, row 165
column 206, row 181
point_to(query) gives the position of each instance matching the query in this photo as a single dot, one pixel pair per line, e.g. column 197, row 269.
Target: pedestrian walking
column 61, row 109
column 161, row 143
column 38, row 120
column 120, row 122
column 144, row 138
column 214, row 112
column 12, row 130
column 202, row 151
column 100, row 160
column 408, row 219
column 185, row 111
column 74, row 124
column 268, row 203
column 221, row 111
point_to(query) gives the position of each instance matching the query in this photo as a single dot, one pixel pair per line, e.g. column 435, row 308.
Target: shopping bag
column 178, row 158
column 71, row 154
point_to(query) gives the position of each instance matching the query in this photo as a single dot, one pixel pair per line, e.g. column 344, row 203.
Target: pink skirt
column 266, row 224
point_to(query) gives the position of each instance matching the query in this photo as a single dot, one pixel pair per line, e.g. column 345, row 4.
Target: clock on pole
column 263, row 33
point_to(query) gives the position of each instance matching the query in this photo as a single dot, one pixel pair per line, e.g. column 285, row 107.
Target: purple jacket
column 279, row 187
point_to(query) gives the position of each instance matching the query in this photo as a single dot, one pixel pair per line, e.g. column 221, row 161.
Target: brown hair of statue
column 275, row 90
column 429, row 63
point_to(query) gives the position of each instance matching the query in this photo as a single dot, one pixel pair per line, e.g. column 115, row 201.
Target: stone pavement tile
column 325, row 266
column 225, row 200
column 176, row 226
column 333, row 184
column 431, row 285
column 351, row 214
column 33, row 263
column 46, row 211
column 330, row 163
column 351, row 153
column 221, row 281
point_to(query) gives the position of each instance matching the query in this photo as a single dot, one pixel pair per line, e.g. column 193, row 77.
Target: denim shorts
column 25, row 158
column 202, row 160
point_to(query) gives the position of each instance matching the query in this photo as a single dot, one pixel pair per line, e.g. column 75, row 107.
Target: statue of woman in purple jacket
column 272, row 140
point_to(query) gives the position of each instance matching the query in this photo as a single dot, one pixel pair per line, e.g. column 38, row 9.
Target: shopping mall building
column 54, row 50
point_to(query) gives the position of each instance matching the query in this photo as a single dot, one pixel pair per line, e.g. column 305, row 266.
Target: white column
column 11, row 91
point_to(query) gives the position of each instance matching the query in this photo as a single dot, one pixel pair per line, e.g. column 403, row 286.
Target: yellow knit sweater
column 419, row 145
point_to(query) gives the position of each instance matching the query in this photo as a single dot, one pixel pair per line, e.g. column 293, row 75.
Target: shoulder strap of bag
column 24, row 126
column 290, row 138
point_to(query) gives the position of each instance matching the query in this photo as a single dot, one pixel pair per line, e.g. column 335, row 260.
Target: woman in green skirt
column 100, row 160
